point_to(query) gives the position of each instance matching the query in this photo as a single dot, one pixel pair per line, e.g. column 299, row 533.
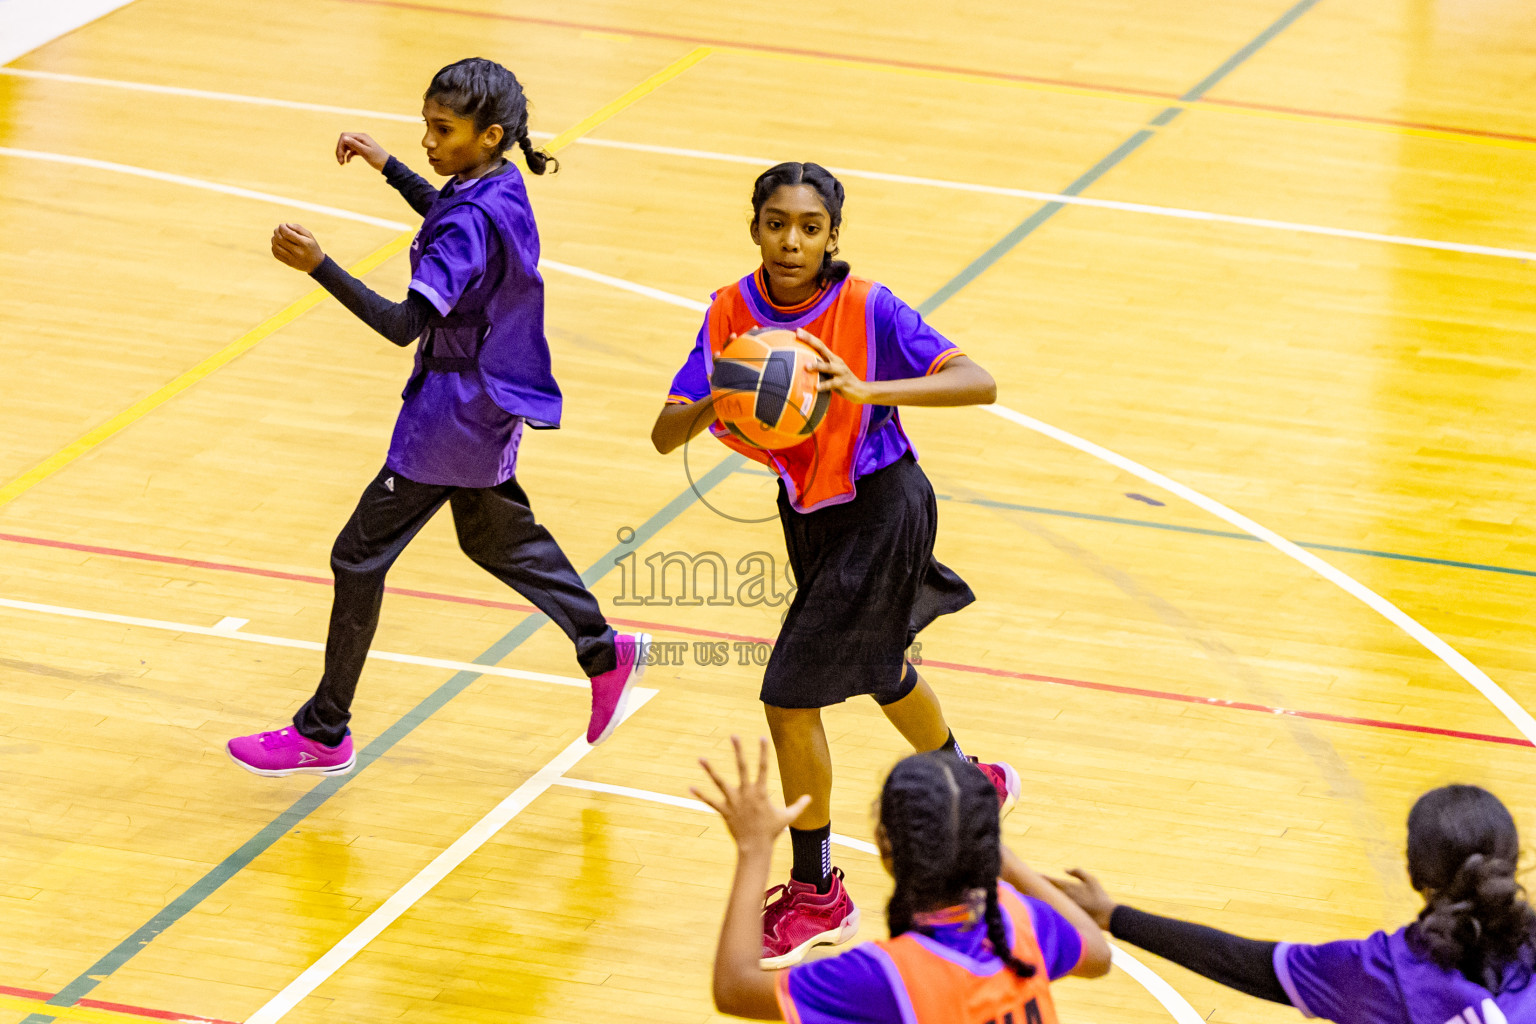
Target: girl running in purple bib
column 1468, row 959
column 482, row 373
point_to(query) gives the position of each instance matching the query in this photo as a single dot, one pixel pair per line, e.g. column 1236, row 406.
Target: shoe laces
column 269, row 738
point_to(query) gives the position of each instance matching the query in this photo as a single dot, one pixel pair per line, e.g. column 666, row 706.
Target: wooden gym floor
column 1277, row 253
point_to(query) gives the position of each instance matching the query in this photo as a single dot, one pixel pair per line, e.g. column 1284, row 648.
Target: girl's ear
column 491, row 137
column 753, row 229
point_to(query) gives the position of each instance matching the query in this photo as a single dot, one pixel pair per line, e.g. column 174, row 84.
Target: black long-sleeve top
column 1247, row 965
column 400, row 322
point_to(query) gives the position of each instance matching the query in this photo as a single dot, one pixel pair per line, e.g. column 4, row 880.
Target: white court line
column 1457, row 662
column 199, row 183
column 331, row 211
column 691, row 805
column 1454, row 659
column 1148, row 209
column 225, row 633
column 1160, row 990
column 230, row 624
column 442, row 865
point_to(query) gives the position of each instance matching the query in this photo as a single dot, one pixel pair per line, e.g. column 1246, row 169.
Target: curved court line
column 1457, row 662
column 1176, row 1005
column 1066, row 199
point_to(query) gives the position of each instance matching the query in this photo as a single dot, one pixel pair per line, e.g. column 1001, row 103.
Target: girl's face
column 452, row 144
column 794, row 231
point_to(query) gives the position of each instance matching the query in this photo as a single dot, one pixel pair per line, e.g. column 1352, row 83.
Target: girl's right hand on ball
column 358, row 144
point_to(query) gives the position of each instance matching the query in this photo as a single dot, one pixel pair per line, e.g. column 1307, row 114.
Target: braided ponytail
column 1462, row 849
column 538, row 160
column 940, row 822
column 489, row 94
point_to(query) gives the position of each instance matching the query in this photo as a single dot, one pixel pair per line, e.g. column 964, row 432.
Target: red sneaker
column 797, row 917
column 1005, row 780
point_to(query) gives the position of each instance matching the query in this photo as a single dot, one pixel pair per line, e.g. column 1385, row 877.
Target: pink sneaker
column 797, row 917
column 610, row 691
column 285, row 752
column 1005, row 780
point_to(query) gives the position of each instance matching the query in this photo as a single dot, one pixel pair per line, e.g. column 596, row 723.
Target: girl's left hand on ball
column 293, row 245
column 836, row 374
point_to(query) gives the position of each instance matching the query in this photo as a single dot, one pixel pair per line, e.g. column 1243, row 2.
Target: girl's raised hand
column 750, row 815
column 295, row 246
column 358, row 144
column 1088, row 893
column 839, row 377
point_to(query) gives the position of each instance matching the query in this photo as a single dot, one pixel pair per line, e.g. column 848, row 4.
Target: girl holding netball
column 482, row 373
column 976, row 935
column 1469, row 958
column 859, row 519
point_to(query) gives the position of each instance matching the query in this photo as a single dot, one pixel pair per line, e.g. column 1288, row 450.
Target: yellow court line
column 93, row 438
column 83, row 1014
column 639, row 92
column 96, row 436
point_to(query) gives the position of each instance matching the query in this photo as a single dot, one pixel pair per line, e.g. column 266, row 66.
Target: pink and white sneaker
column 797, row 917
column 285, row 752
column 610, row 691
column 1005, row 780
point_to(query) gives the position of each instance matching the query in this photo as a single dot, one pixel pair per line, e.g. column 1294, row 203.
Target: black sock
column 951, row 747
column 813, row 856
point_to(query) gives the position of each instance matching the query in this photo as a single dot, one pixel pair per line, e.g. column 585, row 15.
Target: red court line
column 1238, row 705
column 101, row 1004
column 1000, row 76
column 666, row 627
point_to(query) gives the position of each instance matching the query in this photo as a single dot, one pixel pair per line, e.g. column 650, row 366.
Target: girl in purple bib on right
column 1470, row 957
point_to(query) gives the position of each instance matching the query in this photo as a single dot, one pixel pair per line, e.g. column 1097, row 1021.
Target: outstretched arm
column 1247, row 965
column 416, row 189
column 741, row 986
column 1096, row 956
column 400, row 322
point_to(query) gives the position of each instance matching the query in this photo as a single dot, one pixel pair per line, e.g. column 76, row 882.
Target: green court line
column 309, row 802
column 1234, row 535
column 1203, row 531
column 1006, row 244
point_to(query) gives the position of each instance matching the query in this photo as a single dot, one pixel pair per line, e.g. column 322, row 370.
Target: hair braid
column 1462, row 849
column 488, row 94
column 939, row 816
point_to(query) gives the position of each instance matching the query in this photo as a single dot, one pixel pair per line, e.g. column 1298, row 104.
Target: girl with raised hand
column 482, row 372
column 1469, row 958
column 977, row 936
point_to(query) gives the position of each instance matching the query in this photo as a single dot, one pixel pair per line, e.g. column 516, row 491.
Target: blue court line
column 309, row 802
column 1152, row 524
column 1004, row 245
column 1234, row 535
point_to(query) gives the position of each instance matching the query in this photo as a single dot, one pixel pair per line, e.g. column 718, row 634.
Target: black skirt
column 867, row 582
